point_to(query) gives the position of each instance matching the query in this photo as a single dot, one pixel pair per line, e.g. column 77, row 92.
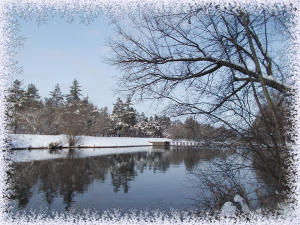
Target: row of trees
column 73, row 115
column 128, row 122
column 192, row 130
column 29, row 114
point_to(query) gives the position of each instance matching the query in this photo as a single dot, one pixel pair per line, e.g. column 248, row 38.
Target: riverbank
column 31, row 141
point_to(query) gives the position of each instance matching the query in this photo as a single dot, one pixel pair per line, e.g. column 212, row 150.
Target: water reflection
column 67, row 178
column 122, row 171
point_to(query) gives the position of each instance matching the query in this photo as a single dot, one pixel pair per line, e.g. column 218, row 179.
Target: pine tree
column 75, row 90
column 88, row 114
column 16, row 94
column 129, row 116
column 118, row 107
column 124, row 115
column 117, row 114
column 56, row 98
column 15, row 101
column 158, row 125
column 192, row 128
column 53, row 111
column 32, row 97
column 103, row 123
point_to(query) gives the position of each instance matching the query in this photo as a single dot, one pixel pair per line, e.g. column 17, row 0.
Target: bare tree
column 103, row 122
column 31, row 120
column 219, row 63
column 176, row 130
column 72, row 124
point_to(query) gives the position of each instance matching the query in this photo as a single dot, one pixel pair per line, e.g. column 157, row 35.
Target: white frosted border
column 117, row 7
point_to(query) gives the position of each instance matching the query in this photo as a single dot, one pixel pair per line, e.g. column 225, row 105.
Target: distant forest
column 74, row 115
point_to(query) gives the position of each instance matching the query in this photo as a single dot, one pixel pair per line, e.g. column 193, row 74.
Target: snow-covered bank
column 36, row 141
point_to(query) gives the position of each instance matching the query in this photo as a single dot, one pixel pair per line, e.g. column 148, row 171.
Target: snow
column 243, row 204
column 36, row 141
column 26, row 140
column 228, row 210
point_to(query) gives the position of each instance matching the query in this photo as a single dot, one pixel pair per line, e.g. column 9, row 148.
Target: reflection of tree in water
column 72, row 175
column 22, row 194
column 193, row 156
column 140, row 159
column 124, row 167
column 158, row 162
column 54, row 151
column 220, row 179
column 122, row 172
column 268, row 193
column 64, row 177
column 68, row 195
column 21, row 177
column 76, row 175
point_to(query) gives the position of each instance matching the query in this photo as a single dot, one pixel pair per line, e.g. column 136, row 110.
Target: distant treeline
column 74, row 115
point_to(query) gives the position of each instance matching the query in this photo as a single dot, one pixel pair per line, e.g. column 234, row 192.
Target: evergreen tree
column 158, row 125
column 117, row 115
column 141, row 125
column 32, row 97
column 118, row 107
column 53, row 111
column 15, row 101
column 124, row 115
column 25, row 110
column 56, row 98
column 88, row 114
column 75, row 90
column 143, row 117
column 129, row 116
column 16, row 94
column 192, row 128
column 103, row 122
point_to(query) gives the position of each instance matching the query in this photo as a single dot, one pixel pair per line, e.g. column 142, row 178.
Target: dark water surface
column 102, row 179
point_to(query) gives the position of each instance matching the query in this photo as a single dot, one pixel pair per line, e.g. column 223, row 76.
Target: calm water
column 101, row 179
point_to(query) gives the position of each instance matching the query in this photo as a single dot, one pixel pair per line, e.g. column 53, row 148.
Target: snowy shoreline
column 43, row 141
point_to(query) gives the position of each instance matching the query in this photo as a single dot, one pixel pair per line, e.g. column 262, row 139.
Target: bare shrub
column 55, row 145
column 73, row 140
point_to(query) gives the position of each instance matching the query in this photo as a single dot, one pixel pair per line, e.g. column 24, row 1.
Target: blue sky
column 59, row 52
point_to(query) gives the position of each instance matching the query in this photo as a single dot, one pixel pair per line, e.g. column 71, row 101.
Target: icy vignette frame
column 90, row 9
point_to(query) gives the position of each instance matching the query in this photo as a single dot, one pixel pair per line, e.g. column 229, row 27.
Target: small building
column 160, row 143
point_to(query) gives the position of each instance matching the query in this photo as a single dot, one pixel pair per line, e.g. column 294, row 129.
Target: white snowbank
column 243, row 204
column 35, row 141
column 228, row 210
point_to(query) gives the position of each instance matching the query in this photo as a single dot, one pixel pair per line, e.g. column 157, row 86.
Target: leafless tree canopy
column 203, row 61
column 226, row 64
